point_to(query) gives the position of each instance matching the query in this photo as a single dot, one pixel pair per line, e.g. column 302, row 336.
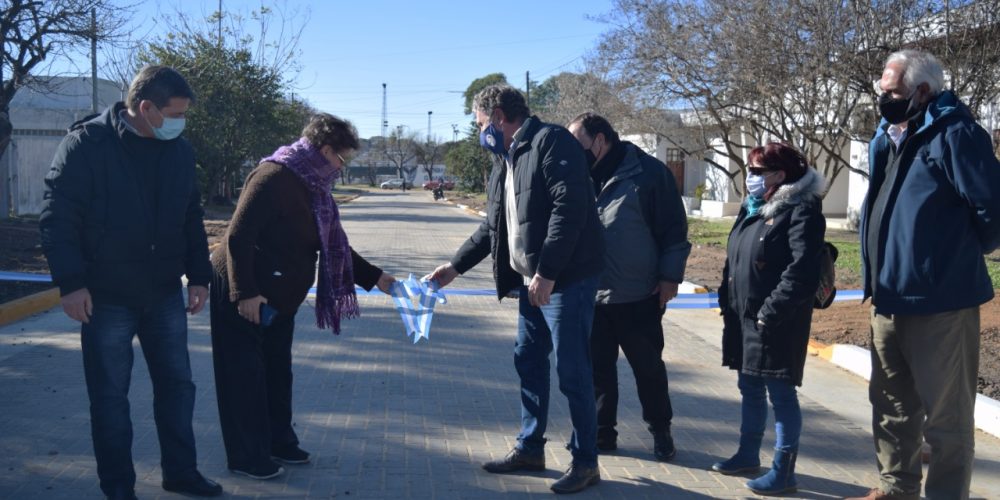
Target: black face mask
column 591, row 157
column 899, row 110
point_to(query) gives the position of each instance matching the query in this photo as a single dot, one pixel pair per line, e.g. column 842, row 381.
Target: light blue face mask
column 171, row 128
column 756, row 185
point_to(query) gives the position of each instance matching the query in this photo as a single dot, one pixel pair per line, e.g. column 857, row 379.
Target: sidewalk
column 385, row 418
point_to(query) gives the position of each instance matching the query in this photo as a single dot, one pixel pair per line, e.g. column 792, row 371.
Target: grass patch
column 709, row 232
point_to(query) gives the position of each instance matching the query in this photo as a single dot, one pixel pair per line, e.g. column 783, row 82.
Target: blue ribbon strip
column 682, row 301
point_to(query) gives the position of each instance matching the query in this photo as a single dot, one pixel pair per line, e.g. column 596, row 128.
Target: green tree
column 244, row 108
column 468, row 162
column 241, row 114
column 479, row 84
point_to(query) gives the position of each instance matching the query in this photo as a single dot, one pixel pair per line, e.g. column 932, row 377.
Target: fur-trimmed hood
column 811, row 185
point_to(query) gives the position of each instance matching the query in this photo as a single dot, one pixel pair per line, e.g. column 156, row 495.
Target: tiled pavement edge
column 389, row 419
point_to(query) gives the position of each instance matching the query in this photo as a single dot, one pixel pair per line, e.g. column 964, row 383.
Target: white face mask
column 170, row 129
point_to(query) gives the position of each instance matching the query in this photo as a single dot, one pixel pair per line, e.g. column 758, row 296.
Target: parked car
column 433, row 184
column 392, row 184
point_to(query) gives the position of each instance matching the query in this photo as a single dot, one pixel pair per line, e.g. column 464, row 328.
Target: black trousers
column 636, row 328
column 253, row 381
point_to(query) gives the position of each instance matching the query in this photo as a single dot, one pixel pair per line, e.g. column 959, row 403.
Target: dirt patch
column 842, row 323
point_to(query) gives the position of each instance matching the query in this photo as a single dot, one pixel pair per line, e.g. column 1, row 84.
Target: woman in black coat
column 768, row 287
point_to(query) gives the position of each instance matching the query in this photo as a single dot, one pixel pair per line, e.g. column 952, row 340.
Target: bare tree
column 401, row 150
column 34, row 34
column 799, row 72
column 577, row 93
column 428, row 153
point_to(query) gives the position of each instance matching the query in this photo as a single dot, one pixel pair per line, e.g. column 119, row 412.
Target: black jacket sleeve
column 474, row 250
column 569, row 187
column 196, row 263
column 68, row 194
column 668, row 222
column 366, row 274
column 800, row 279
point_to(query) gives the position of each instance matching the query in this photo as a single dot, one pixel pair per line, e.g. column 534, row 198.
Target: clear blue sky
column 426, row 52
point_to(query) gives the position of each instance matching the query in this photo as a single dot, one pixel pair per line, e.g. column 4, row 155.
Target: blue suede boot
column 746, row 459
column 781, row 478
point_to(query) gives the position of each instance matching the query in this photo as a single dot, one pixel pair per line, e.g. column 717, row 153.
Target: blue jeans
column 565, row 324
column 787, row 414
column 107, row 363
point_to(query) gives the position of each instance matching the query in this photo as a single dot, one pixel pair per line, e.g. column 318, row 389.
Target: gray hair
column 919, row 67
column 503, row 96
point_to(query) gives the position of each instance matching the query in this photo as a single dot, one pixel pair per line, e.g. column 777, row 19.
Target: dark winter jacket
column 562, row 235
column 941, row 215
column 771, row 275
column 122, row 214
column 271, row 245
column 645, row 228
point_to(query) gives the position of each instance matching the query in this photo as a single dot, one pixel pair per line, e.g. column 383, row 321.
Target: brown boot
column 877, row 494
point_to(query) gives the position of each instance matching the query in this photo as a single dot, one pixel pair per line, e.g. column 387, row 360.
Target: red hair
column 775, row 156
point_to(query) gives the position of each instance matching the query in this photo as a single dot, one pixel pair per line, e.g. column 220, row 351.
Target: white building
column 40, row 120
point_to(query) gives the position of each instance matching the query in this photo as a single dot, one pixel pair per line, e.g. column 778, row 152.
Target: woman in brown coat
column 262, row 274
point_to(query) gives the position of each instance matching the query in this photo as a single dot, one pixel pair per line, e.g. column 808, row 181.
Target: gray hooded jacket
column 645, row 229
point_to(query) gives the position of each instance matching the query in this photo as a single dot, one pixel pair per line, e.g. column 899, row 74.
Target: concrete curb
column 26, row 306
column 857, row 360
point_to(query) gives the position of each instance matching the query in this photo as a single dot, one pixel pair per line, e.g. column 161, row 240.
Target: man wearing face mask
column 640, row 207
column 932, row 212
column 547, row 244
column 121, row 223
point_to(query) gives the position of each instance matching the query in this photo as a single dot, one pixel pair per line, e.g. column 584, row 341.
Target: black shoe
column 292, row 455
column 663, row 446
column 577, row 478
column 198, row 486
column 516, row 460
column 268, row 470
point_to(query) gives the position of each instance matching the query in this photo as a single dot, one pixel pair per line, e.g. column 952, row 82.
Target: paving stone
column 385, row 418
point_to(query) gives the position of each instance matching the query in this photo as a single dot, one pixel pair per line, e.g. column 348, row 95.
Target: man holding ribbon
column 547, row 244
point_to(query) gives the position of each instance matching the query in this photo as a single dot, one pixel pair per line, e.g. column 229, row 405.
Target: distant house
column 41, row 119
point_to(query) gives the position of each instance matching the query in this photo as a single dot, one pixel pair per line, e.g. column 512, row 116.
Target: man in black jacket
column 546, row 241
column 640, row 207
column 121, row 222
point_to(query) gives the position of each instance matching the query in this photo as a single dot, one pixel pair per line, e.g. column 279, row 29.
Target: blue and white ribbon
column 682, row 301
column 415, row 301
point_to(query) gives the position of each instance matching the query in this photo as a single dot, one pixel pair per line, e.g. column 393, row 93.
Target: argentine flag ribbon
column 415, row 302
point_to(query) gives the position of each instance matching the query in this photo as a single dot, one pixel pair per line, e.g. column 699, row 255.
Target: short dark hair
column 325, row 129
column 595, row 124
column 502, row 96
column 158, row 84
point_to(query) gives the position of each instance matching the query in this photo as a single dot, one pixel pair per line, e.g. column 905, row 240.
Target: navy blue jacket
column 556, row 212
column 943, row 214
column 102, row 230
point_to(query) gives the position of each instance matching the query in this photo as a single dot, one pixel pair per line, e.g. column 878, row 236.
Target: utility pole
column 385, row 113
column 454, row 132
column 429, row 126
column 93, row 59
column 527, row 88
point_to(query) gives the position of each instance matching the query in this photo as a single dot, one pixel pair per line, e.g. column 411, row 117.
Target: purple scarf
column 335, row 296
